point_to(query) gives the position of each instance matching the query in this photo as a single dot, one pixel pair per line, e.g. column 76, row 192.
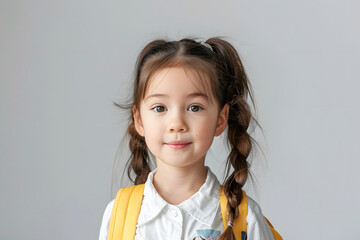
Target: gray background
column 62, row 63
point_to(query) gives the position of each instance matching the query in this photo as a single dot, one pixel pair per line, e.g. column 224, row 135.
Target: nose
column 177, row 122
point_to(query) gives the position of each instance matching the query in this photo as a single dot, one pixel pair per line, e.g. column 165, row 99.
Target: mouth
column 178, row 144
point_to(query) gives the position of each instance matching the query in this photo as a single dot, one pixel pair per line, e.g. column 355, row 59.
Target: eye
column 195, row 108
column 159, row 108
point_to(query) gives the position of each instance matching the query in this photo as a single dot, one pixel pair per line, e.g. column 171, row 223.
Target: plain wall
column 63, row 63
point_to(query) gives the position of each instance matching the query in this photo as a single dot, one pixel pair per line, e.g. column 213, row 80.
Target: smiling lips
column 178, row 144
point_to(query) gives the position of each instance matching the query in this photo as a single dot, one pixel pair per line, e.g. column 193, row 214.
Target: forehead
column 179, row 79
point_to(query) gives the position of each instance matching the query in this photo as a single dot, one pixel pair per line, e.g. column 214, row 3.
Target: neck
column 175, row 184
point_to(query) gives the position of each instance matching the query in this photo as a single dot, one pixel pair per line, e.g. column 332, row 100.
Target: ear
column 137, row 121
column 222, row 120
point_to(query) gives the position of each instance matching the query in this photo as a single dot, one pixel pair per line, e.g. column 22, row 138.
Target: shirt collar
column 202, row 206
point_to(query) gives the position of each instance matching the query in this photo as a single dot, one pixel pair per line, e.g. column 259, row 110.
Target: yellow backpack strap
column 125, row 213
column 240, row 222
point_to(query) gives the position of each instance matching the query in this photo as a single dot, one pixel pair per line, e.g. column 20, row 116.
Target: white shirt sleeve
column 106, row 221
column 257, row 228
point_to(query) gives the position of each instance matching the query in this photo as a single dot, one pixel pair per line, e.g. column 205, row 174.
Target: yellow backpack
column 127, row 207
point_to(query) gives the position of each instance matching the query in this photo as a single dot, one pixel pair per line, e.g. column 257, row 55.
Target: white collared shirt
column 189, row 219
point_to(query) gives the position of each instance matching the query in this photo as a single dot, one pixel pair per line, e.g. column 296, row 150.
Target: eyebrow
column 196, row 94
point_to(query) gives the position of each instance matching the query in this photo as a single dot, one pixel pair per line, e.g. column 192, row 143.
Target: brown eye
column 159, row 108
column 195, row 108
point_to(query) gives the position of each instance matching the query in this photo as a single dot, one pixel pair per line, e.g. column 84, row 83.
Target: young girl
column 185, row 94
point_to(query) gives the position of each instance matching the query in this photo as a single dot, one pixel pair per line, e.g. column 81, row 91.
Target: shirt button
column 175, row 213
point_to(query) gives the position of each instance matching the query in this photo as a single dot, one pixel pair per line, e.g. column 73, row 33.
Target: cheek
column 153, row 138
column 205, row 133
column 206, row 126
column 153, row 130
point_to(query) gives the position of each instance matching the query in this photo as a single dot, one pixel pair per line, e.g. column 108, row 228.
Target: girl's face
column 177, row 119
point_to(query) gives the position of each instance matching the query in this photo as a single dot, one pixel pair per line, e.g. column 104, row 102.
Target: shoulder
column 126, row 192
column 109, row 207
column 257, row 228
column 106, row 221
column 254, row 209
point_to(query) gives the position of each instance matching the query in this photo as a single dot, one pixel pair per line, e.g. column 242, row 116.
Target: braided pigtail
column 235, row 91
column 139, row 156
column 139, row 159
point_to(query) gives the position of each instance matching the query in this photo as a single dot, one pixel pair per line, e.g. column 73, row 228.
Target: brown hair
column 219, row 60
